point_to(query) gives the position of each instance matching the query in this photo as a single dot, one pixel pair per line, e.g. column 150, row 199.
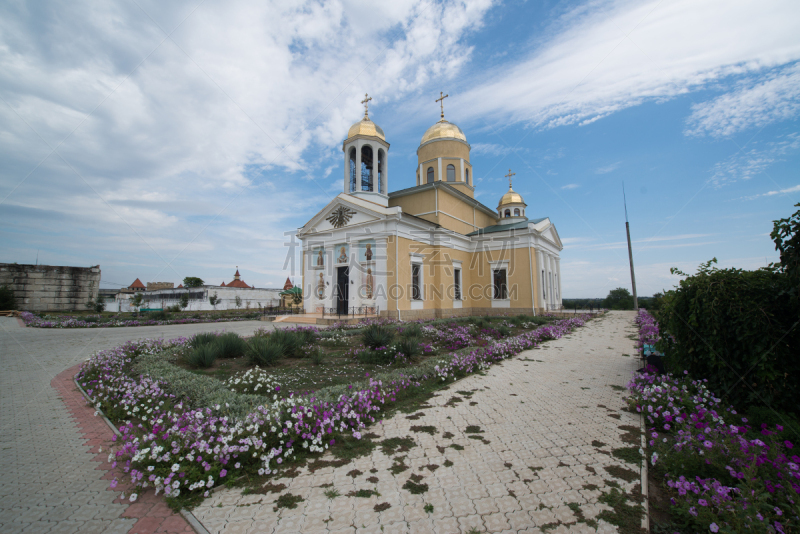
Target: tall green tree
column 184, row 301
column 619, row 299
column 786, row 235
column 193, row 281
column 213, row 300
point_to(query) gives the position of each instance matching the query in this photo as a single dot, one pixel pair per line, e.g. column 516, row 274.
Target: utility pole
column 630, row 250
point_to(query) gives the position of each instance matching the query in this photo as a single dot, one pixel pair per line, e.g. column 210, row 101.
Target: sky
column 162, row 140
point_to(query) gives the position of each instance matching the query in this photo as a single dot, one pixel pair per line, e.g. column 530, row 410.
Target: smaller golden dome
column 512, row 197
column 366, row 127
column 443, row 130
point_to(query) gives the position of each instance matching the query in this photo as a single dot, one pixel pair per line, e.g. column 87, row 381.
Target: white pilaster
column 358, row 166
column 463, row 178
column 347, row 169
column 558, row 278
column 539, row 280
column 385, row 181
column 422, row 178
column 440, row 169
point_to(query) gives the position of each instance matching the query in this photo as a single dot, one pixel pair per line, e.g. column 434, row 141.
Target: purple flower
column 223, row 473
column 713, row 527
column 702, row 502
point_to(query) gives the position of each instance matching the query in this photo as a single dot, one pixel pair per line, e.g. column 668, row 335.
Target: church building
column 429, row 249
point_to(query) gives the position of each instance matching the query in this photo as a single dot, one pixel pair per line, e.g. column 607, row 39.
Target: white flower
column 134, row 496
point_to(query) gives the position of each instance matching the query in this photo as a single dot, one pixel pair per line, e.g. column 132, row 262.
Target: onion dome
column 512, row 197
column 366, row 127
column 443, row 130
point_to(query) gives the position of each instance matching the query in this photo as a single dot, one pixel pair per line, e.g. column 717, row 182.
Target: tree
column 786, row 234
column 97, row 305
column 7, row 301
column 213, row 300
column 619, row 299
column 137, row 301
column 193, row 281
column 238, row 301
column 297, row 298
column 184, row 301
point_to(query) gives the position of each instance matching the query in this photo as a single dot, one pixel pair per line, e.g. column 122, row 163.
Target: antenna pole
column 630, row 250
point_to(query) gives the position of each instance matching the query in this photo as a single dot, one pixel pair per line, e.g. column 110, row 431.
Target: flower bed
column 721, row 474
column 67, row 321
column 191, row 442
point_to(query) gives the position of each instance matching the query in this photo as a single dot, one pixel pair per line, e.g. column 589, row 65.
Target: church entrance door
column 342, row 289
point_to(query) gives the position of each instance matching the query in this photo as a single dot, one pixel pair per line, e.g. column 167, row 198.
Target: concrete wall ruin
column 51, row 288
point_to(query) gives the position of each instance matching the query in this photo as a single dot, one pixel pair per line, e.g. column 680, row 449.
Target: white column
column 539, row 280
column 347, row 169
column 358, row 166
column 553, row 280
column 558, row 277
column 385, row 181
column 548, row 279
column 440, row 169
column 463, row 178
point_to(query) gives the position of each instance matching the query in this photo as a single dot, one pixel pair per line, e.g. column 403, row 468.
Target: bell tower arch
column 366, row 160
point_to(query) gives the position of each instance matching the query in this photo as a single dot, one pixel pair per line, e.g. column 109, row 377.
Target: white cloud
column 753, row 105
column 570, row 186
column 492, row 149
column 608, row 168
column 752, row 162
column 793, row 189
column 607, row 56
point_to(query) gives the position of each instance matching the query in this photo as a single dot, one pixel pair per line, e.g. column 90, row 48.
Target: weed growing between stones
column 428, row 508
column 332, row 494
column 428, row 429
column 576, row 509
column 364, row 493
column 448, row 463
column 626, row 513
column 381, row 507
column 413, row 486
column 391, row 445
column 598, row 444
column 287, row 500
column 621, row 473
column 628, row 454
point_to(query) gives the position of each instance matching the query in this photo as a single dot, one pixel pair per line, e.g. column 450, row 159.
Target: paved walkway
column 49, row 476
column 539, row 414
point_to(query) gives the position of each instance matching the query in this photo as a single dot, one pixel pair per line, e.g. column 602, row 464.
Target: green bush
column 203, row 356
column 737, row 329
column 229, row 345
column 203, row 338
column 411, row 330
column 376, row 336
column 503, row 330
column 262, row 351
column 159, row 315
column 291, row 343
column 761, row 415
column 409, row 346
column 7, row 300
column 480, row 322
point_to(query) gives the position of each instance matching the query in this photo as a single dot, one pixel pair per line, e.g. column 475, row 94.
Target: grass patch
column 332, row 494
column 448, row 463
column 373, row 480
column 391, row 445
column 364, row 493
column 596, row 443
column 627, row 517
column 354, row 473
column 448, row 435
column 621, row 473
column 414, row 488
column 628, row 454
column 287, row 500
column 473, row 429
column 399, row 465
column 381, row 507
column 428, row 429
column 618, row 388
column 428, row 508
column 576, row 509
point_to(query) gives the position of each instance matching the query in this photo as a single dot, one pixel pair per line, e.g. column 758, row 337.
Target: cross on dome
column 441, row 98
column 366, row 100
column 509, row 175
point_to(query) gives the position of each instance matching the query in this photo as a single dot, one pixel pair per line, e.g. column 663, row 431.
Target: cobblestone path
column 530, row 437
column 49, row 476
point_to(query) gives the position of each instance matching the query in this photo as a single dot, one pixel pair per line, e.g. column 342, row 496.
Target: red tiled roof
column 237, row 273
column 288, row 285
column 180, row 286
column 137, row 284
column 238, row 283
column 222, row 284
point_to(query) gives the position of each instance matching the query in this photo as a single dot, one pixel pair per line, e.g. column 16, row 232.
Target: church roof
column 503, row 227
column 238, row 283
column 288, row 285
column 512, row 197
column 443, row 130
column 366, row 127
column 450, row 189
column 180, row 286
column 222, row 284
column 137, row 284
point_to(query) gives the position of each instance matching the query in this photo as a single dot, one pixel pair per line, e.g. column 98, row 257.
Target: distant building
column 237, row 282
column 288, row 295
column 155, row 286
column 49, row 287
column 137, row 285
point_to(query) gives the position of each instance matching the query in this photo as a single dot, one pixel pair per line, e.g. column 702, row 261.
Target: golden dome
column 512, row 197
column 366, row 127
column 443, row 130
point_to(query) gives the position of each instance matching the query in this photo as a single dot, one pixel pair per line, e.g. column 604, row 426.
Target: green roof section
column 294, row 291
column 503, row 227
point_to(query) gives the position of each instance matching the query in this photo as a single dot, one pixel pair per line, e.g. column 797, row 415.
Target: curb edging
column 196, row 525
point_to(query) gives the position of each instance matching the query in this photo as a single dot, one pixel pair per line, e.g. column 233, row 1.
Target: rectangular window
column 416, row 286
column 500, row 286
column 457, row 282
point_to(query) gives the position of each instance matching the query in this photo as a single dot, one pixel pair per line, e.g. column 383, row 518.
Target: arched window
column 352, row 170
column 467, row 176
column 451, row 173
column 430, row 175
column 366, row 168
column 508, row 213
column 516, row 212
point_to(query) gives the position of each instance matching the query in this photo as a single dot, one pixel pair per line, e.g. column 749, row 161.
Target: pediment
column 551, row 234
column 342, row 213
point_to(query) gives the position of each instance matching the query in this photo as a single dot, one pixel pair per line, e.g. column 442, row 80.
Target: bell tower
column 366, row 162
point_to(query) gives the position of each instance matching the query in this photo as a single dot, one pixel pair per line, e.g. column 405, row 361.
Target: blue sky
column 189, row 140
